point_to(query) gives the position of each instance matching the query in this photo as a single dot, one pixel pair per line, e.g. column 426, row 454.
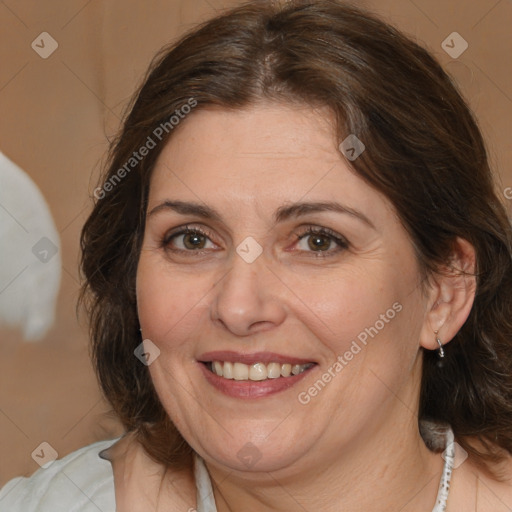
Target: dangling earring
column 440, row 351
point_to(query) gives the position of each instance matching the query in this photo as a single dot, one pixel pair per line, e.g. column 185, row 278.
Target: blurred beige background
column 56, row 114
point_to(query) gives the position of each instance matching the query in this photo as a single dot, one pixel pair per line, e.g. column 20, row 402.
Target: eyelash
column 341, row 242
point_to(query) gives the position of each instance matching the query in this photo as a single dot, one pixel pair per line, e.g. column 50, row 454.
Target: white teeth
column 296, row 369
column 257, row 371
column 240, row 371
column 218, row 368
column 273, row 370
column 286, row 370
column 227, row 370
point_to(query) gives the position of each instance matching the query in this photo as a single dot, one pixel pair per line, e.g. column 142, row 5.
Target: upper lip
column 255, row 357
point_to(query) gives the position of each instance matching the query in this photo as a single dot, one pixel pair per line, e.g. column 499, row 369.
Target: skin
column 356, row 443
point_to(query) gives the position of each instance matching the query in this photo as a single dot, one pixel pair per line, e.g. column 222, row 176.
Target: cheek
column 372, row 340
column 168, row 302
column 346, row 303
column 377, row 314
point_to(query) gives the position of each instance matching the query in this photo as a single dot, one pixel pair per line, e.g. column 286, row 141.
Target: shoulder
column 81, row 481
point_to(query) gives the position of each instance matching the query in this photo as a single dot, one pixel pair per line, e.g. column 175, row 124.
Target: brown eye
column 321, row 240
column 187, row 240
column 193, row 241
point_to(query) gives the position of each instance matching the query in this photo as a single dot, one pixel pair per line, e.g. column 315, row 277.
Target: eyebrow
column 285, row 212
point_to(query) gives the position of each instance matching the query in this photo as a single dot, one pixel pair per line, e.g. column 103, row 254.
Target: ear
column 450, row 296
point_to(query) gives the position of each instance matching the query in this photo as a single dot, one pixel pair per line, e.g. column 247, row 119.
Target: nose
column 249, row 299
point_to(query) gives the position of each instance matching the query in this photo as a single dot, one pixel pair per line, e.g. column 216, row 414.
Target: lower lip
column 252, row 388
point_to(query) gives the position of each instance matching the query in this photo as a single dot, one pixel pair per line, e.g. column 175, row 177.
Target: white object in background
column 30, row 262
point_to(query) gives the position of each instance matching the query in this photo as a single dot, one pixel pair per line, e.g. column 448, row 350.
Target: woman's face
column 290, row 259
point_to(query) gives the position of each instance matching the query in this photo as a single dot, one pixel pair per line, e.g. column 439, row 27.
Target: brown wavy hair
column 424, row 152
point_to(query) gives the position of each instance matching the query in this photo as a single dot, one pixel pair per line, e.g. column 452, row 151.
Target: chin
column 254, row 457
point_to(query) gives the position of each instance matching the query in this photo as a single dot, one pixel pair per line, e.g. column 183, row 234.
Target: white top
column 79, row 482
column 84, row 482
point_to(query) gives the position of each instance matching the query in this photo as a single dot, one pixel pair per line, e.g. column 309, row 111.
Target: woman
column 299, row 281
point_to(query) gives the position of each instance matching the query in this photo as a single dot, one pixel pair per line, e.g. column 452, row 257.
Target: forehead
column 260, row 131
column 266, row 153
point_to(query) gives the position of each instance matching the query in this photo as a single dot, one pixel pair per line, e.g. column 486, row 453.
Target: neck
column 386, row 465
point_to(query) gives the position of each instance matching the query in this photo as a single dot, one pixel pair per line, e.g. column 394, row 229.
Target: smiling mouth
column 257, row 371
